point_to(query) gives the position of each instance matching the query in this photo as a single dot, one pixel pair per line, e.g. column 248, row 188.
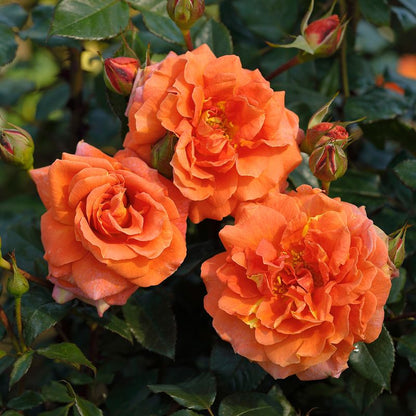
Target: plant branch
column 5, row 321
column 282, row 68
column 188, row 40
column 344, row 66
column 18, row 311
column 410, row 316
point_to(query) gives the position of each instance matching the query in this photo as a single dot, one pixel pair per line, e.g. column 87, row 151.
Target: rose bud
column 328, row 162
column 162, row 153
column 396, row 246
column 324, row 36
column 16, row 148
column 17, row 285
column 119, row 74
column 320, row 133
column 185, row 12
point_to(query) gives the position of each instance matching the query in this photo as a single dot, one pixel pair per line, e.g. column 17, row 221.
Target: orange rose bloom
column 109, row 228
column 236, row 139
column 407, row 66
column 303, row 278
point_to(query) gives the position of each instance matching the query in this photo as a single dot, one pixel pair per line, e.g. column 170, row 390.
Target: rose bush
column 236, row 139
column 304, row 277
column 110, row 227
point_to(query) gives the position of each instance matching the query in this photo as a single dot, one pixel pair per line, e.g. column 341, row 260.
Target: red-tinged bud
column 162, row 153
column 16, row 148
column 185, row 12
column 324, row 36
column 328, row 162
column 321, row 133
column 396, row 246
column 119, row 74
column 17, row 285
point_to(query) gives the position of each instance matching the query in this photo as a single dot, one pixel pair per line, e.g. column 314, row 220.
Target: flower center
column 215, row 117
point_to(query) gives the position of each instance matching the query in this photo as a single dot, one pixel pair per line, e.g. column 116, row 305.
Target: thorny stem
column 282, row 68
column 344, row 67
column 5, row 321
column 18, row 310
column 188, row 40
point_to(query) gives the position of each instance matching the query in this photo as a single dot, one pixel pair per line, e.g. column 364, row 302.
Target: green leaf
column 157, row 6
column 185, row 412
column 197, row 393
column 406, row 18
column 13, row 15
column 90, row 19
column 53, row 99
column 82, row 407
column 377, row 12
column 11, row 413
column 359, row 188
column 116, row 325
column 250, row 404
column 375, row 361
column 42, row 318
column 27, row 400
column 268, row 19
column 161, row 25
column 362, row 391
column 152, row 322
column 20, row 367
column 234, row 372
column 5, row 363
column 42, row 16
column 68, row 353
column 214, row 34
column 375, row 105
column 129, row 394
column 276, row 393
column 393, row 130
column 86, row 408
column 406, row 347
column 59, row 411
column 56, row 392
column 406, row 171
column 8, row 45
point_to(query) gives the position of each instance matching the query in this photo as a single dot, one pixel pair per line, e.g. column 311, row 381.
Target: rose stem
column 188, row 40
column 18, row 309
column 344, row 67
column 282, row 68
column 5, row 321
column 325, row 186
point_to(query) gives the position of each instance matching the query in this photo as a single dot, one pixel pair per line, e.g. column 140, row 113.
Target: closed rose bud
column 185, row 12
column 17, row 285
column 319, row 134
column 119, row 74
column 324, row 36
column 16, row 148
column 328, row 162
column 396, row 246
column 162, row 153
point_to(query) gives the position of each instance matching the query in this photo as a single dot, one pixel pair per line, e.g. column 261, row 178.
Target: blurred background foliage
column 51, row 84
